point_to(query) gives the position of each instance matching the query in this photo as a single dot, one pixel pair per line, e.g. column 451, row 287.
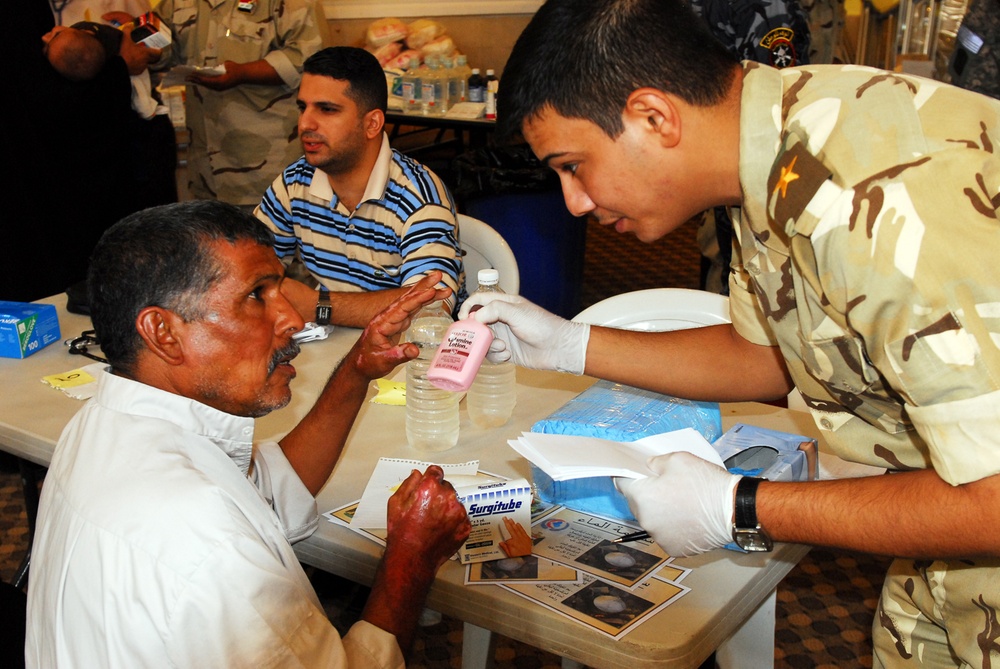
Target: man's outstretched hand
column 377, row 352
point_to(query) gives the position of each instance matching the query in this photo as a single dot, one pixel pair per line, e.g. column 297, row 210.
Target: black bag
column 77, row 298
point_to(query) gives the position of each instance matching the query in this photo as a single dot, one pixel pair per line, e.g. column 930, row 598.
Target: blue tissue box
column 621, row 413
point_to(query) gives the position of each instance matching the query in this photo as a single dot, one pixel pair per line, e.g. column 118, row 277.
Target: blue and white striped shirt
column 403, row 227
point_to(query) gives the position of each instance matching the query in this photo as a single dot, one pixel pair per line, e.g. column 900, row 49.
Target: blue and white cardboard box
column 769, row 454
column 26, row 328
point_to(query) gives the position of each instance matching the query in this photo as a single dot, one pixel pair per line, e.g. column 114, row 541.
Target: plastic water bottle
column 493, row 394
column 477, row 86
column 430, row 89
column 441, row 71
column 410, row 84
column 459, row 91
column 431, row 413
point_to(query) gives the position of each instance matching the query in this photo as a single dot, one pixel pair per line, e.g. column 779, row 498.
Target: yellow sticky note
column 390, row 392
column 71, row 379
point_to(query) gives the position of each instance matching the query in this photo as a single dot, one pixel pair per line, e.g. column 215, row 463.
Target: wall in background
column 486, row 39
column 414, row 9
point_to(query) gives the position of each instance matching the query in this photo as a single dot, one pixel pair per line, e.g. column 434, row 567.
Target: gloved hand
column 529, row 335
column 686, row 506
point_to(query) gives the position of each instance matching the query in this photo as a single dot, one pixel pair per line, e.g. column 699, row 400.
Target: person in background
column 64, row 199
column 79, row 52
column 975, row 62
column 363, row 219
column 68, row 12
column 773, row 32
column 865, row 209
column 826, row 27
column 242, row 122
column 164, row 532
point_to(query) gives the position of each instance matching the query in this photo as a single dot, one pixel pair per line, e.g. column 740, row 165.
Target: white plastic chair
column 659, row 310
column 662, row 309
column 484, row 248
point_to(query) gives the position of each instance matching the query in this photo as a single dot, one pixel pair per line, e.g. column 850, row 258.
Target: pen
column 635, row 536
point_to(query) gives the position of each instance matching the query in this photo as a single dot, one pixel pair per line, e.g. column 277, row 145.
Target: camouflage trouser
column 939, row 614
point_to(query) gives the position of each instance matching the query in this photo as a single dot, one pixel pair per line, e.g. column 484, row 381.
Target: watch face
column 752, row 540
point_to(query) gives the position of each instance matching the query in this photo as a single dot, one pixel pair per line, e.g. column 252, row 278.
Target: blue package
column 596, row 494
column 621, row 413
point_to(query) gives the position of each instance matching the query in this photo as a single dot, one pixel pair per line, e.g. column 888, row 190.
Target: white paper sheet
column 564, row 457
column 390, row 473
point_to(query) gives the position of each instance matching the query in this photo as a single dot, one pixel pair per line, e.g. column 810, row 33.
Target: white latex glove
column 529, row 335
column 687, row 507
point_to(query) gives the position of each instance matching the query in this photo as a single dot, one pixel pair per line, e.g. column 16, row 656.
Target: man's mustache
column 282, row 354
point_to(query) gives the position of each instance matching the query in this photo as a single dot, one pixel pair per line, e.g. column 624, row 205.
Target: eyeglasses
column 78, row 345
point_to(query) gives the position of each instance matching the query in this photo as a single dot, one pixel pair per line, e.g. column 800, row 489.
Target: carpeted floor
column 825, row 605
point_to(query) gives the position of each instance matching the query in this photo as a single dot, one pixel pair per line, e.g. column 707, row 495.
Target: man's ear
column 158, row 328
column 373, row 123
column 657, row 110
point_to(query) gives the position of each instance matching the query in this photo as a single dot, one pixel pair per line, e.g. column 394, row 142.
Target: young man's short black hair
column 360, row 68
column 583, row 58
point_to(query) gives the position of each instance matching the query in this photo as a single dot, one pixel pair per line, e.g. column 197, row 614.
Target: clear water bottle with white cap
column 432, row 418
column 493, row 394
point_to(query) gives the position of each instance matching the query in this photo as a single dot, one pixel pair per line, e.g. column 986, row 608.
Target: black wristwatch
column 747, row 532
column 323, row 310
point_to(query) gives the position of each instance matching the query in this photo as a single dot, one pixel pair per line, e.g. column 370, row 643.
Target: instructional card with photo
column 584, row 541
column 527, row 569
column 603, row 606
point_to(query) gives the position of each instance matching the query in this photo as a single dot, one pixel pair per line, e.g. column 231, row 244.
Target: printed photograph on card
column 584, row 541
column 603, row 606
column 527, row 569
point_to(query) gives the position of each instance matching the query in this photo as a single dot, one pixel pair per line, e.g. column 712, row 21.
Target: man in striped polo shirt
column 363, row 219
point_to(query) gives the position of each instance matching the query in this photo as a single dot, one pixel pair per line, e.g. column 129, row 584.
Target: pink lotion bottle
column 460, row 354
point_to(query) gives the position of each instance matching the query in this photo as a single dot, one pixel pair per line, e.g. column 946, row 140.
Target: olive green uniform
column 243, row 137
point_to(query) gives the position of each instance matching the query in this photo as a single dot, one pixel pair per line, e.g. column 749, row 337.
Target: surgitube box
column 26, row 328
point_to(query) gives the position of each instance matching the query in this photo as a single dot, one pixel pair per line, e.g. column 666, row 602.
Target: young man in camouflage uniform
column 243, row 122
column 866, row 277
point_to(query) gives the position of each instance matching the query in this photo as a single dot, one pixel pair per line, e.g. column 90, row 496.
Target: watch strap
column 745, row 511
column 323, row 310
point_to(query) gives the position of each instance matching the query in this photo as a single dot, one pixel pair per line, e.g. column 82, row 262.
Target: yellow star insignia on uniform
column 796, row 164
column 788, row 175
